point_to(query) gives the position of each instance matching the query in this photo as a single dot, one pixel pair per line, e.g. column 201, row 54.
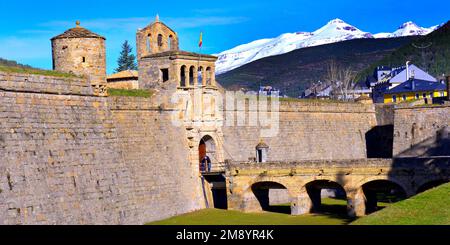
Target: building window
column 149, row 41
column 394, row 98
column 404, row 97
column 262, row 152
column 183, row 76
column 170, row 42
column 165, row 75
column 160, row 40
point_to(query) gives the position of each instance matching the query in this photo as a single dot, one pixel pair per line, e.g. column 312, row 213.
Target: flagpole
column 200, row 54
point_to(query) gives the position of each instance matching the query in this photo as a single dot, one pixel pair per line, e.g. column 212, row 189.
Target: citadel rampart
column 71, row 158
column 165, row 182
column 422, row 131
column 308, row 130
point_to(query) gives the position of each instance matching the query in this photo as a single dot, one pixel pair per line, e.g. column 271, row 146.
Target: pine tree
column 127, row 60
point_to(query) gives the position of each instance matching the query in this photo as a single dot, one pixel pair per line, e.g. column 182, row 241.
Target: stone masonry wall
column 71, row 158
column 60, row 163
column 165, row 182
column 422, row 131
column 308, row 130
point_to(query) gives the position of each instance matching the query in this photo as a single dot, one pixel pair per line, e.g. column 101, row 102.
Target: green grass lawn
column 334, row 213
column 429, row 208
column 130, row 92
column 23, row 70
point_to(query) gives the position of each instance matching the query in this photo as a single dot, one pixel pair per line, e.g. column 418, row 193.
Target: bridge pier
column 248, row 204
column 301, row 204
column 356, row 204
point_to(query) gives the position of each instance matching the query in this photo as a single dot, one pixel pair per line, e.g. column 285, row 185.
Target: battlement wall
column 28, row 83
column 306, row 130
column 325, row 106
column 165, row 181
column 422, row 131
column 68, row 157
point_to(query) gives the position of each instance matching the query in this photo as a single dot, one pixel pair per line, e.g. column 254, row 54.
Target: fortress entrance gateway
column 215, row 180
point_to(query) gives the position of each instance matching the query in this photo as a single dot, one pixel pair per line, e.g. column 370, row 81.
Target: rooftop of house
column 78, row 32
column 124, row 74
column 416, row 85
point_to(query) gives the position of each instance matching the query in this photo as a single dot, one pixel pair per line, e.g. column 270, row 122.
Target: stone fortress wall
column 422, row 131
column 308, row 130
column 68, row 157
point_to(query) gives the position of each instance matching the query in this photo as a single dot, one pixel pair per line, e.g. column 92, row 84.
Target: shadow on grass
column 334, row 211
column 282, row 209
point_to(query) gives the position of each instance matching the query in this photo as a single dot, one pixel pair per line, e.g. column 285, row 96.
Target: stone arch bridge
column 248, row 184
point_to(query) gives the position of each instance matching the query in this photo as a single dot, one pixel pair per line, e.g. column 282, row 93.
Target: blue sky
column 27, row 25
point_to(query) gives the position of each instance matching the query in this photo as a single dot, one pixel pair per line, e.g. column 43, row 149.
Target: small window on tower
column 84, row 59
column 165, row 75
column 160, row 40
column 149, row 41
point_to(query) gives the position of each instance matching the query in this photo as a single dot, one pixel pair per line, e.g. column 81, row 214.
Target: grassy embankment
column 34, row 71
column 334, row 213
column 130, row 93
column 429, row 208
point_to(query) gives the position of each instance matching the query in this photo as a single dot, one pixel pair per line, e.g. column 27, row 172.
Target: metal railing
column 215, row 168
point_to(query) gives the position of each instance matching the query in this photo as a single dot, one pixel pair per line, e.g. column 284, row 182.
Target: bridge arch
column 313, row 191
column 404, row 186
column 267, row 196
column 376, row 190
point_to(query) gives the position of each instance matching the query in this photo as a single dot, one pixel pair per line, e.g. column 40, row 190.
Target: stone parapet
column 29, row 83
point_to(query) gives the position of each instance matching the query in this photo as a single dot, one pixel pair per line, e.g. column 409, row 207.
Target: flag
column 200, row 44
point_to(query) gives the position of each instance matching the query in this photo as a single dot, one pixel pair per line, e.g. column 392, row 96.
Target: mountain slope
column 431, row 53
column 294, row 71
column 10, row 63
column 14, row 67
column 334, row 31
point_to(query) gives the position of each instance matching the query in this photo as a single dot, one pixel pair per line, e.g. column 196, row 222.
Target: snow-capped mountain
column 408, row 29
column 334, row 31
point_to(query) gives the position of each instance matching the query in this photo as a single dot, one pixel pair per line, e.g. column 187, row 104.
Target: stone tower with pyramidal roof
column 81, row 52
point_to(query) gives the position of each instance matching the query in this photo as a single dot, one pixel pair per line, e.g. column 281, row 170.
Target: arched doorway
column 270, row 196
column 213, row 180
column 207, row 148
column 379, row 193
